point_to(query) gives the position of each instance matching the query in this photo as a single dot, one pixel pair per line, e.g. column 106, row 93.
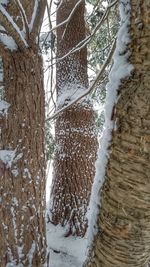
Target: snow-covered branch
column 37, row 17
column 87, row 40
column 90, row 89
column 24, row 17
column 7, row 42
column 69, row 17
column 12, row 28
column 36, row 3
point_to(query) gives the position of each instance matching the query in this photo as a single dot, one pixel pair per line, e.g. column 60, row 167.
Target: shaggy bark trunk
column 123, row 238
column 22, row 180
column 75, row 131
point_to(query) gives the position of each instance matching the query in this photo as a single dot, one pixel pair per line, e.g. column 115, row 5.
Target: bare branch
column 69, row 17
column 99, row 75
column 84, row 42
column 23, row 13
column 37, row 17
column 87, row 40
column 51, row 76
column 59, row 5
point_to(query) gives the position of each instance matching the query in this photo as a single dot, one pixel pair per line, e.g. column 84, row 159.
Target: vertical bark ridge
column 124, row 221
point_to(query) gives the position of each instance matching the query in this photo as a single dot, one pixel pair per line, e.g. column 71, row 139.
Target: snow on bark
column 75, row 154
column 8, row 42
column 31, row 253
column 71, row 252
column 34, row 14
column 14, row 25
column 7, row 156
column 4, row 106
column 121, row 69
column 24, row 179
column 70, row 92
column 24, row 17
column 4, row 2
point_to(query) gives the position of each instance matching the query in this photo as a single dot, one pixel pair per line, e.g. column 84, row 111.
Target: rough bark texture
column 75, row 131
column 22, row 184
column 124, row 223
column 22, row 173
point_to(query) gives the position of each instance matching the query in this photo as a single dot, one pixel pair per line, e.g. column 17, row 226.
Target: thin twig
column 85, row 41
column 99, row 75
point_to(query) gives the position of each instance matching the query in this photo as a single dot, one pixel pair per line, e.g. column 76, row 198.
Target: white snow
column 7, row 156
column 70, row 92
column 72, row 251
column 121, row 69
column 26, row 173
column 14, row 25
column 13, row 264
column 65, row 252
column 31, row 252
column 33, row 14
column 15, row 202
column 8, row 42
column 1, row 76
column 4, row 107
column 14, row 222
column 4, row 2
column 24, row 17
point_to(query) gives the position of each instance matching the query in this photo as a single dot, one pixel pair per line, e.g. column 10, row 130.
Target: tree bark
column 76, row 140
column 22, row 207
column 22, row 157
column 124, row 222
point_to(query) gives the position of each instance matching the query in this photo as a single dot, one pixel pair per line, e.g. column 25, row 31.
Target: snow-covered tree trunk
column 22, row 159
column 76, row 141
column 124, row 222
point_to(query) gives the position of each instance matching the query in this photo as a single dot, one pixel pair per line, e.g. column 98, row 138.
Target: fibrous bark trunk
column 124, row 222
column 76, row 141
column 22, row 180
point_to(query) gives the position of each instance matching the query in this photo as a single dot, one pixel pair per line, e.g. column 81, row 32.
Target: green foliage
column 99, row 48
column 49, row 141
column 102, row 41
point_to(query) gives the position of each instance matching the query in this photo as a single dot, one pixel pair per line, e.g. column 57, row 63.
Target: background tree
column 123, row 223
column 76, row 141
column 22, row 159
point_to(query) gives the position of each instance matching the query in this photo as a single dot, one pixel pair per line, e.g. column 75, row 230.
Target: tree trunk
column 22, row 183
column 76, row 141
column 123, row 238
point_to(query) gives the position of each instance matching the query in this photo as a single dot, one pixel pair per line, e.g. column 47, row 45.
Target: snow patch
column 11, row 21
column 69, row 93
column 15, row 172
column 4, row 106
column 7, row 156
column 8, row 42
column 13, row 264
column 31, row 253
column 27, row 173
column 15, row 202
column 65, row 252
column 121, row 69
column 4, row 2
